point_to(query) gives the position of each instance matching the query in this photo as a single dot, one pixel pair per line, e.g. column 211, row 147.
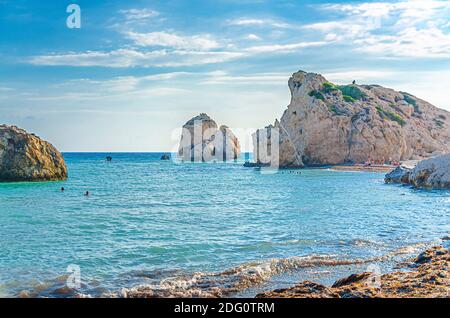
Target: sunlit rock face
column 26, row 157
column 202, row 140
column 333, row 124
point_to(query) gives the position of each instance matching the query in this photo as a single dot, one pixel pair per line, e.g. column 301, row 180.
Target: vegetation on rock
column 390, row 115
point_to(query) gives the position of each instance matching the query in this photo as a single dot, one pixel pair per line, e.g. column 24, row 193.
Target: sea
column 174, row 229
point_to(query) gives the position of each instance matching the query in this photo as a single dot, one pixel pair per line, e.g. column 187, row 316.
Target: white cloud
column 253, row 37
column 284, row 48
column 132, row 58
column 164, row 39
column 252, row 79
column 412, row 28
column 361, row 76
column 139, row 14
column 259, row 22
column 411, row 42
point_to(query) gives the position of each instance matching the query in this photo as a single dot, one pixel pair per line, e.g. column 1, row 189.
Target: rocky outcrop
column 429, row 277
column 398, row 175
column 202, row 140
column 26, row 157
column 328, row 124
column 432, row 173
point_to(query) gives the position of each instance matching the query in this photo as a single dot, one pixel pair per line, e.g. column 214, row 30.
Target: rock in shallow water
column 432, row 173
column 202, row 140
column 26, row 157
column 398, row 175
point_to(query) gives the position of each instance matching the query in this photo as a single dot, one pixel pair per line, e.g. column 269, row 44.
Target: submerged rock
column 26, row 157
column 328, row 124
column 202, row 140
column 432, row 173
column 165, row 157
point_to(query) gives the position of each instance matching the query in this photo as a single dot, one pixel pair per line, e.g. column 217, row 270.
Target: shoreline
column 341, row 167
column 250, row 277
column 428, row 276
column 376, row 168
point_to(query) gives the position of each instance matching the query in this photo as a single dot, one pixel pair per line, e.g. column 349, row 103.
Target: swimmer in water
column 62, row 189
column 87, row 193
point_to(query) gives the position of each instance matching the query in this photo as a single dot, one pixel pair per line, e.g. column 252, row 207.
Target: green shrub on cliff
column 317, row 94
column 329, row 87
column 390, row 115
column 349, row 99
column 351, row 90
column 410, row 100
column 334, row 109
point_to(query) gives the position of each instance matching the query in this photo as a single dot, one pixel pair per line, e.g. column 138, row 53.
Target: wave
column 177, row 283
column 244, row 276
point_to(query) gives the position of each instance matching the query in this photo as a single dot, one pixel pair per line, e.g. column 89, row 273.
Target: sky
column 136, row 71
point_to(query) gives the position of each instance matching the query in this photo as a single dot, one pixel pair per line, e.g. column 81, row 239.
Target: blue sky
column 137, row 70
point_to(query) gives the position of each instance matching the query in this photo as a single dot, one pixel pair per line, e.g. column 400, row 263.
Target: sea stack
column 26, row 157
column 203, row 141
column 328, row 124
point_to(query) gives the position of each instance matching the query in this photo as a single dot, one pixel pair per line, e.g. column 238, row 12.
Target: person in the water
column 87, row 193
column 62, row 189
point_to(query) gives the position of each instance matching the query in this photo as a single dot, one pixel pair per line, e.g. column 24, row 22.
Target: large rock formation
column 333, row 124
column 26, row 157
column 432, row 173
column 202, row 140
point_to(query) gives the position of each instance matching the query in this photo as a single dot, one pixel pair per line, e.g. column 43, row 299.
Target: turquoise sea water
column 148, row 221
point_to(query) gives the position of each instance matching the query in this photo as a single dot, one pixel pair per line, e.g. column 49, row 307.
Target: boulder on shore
column 26, row 157
column 203, row 141
column 432, row 173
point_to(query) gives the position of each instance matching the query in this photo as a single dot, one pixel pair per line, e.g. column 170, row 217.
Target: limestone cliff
column 332, row 124
column 202, row 140
column 26, row 157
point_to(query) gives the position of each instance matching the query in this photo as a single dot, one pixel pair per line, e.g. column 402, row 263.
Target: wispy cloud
column 259, row 22
column 131, row 58
column 139, row 14
column 165, row 39
column 423, row 43
column 252, row 36
column 409, row 28
column 284, row 48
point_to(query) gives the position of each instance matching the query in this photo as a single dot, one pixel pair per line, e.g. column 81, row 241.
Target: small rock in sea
column 446, row 238
column 165, row 157
column 109, row 158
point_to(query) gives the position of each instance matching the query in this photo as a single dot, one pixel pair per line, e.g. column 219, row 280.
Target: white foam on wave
column 246, row 275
